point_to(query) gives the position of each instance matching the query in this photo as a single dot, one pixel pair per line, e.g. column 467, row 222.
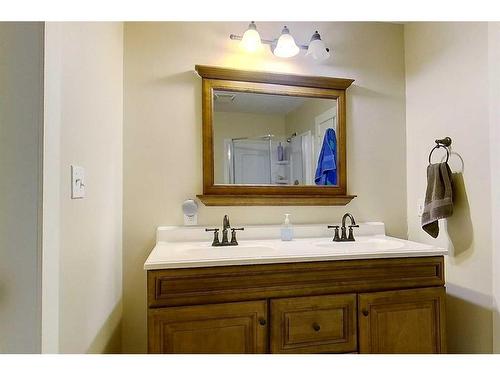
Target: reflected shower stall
column 254, row 160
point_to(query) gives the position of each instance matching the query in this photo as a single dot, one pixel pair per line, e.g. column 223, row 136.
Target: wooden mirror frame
column 214, row 78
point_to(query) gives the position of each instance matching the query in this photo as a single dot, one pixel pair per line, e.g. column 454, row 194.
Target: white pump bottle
column 287, row 229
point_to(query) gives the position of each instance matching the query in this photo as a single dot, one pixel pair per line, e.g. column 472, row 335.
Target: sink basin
column 240, row 251
column 363, row 244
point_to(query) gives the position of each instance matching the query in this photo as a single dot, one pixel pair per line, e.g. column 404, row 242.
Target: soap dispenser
column 287, row 229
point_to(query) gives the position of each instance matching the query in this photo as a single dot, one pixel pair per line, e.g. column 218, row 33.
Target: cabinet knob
column 364, row 312
column 262, row 321
column 316, row 327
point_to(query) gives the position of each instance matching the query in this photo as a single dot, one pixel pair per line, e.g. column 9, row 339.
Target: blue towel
column 326, row 172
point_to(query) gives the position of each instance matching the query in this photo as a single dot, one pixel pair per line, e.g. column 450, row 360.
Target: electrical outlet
column 77, row 182
column 420, row 207
column 191, row 219
column 190, row 210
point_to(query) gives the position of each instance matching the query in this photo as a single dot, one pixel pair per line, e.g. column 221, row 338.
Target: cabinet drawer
column 320, row 324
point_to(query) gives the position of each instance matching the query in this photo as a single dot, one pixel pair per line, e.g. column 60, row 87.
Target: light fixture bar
column 270, row 42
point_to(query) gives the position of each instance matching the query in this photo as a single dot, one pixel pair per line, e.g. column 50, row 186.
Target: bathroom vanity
column 280, row 139
column 378, row 294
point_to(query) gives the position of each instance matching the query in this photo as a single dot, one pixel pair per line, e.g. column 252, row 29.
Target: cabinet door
column 222, row 328
column 403, row 321
column 319, row 324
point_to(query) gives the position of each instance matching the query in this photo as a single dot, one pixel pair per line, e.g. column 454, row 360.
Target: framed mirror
column 273, row 139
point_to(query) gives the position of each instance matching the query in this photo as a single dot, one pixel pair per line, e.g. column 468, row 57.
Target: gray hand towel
column 438, row 197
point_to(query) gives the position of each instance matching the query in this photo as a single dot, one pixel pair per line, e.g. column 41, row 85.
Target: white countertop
column 188, row 247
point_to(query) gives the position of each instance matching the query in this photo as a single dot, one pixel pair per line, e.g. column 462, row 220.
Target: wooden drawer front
column 223, row 328
column 320, row 324
column 402, row 321
column 192, row 286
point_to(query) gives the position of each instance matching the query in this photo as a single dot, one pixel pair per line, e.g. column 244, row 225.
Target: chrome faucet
column 225, row 227
column 344, row 237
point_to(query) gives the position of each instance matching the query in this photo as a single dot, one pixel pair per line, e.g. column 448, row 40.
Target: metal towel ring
column 445, row 142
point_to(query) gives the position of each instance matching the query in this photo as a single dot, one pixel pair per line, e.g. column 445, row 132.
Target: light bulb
column 286, row 46
column 317, row 48
column 251, row 39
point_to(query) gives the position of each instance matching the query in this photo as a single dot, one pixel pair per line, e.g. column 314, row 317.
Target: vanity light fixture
column 317, row 49
column 284, row 46
column 251, row 38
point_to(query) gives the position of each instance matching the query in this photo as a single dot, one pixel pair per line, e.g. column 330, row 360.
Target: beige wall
column 447, row 95
column 21, row 134
column 302, row 119
column 51, row 188
column 162, row 132
column 85, row 118
column 494, row 119
column 229, row 125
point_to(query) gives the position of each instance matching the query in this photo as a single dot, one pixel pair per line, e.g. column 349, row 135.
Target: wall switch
column 420, row 207
column 77, row 182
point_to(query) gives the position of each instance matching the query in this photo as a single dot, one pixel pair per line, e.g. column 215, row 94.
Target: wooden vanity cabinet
column 402, row 321
column 366, row 306
column 221, row 328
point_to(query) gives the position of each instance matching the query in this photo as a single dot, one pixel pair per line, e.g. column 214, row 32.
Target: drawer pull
column 262, row 321
column 365, row 312
column 316, row 327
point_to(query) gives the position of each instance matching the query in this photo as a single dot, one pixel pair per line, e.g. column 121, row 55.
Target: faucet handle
column 216, row 241
column 351, row 235
column 233, row 236
column 336, row 237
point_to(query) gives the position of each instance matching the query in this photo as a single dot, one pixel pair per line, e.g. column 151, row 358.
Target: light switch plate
column 77, row 182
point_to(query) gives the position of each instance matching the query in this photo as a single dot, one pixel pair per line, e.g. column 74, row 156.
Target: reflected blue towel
column 326, row 172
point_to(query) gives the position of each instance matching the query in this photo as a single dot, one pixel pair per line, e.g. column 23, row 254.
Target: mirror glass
column 263, row 139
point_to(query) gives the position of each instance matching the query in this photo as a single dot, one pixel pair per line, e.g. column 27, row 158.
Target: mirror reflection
column 262, row 139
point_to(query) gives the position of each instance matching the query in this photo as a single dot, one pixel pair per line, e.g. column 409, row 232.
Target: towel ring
column 445, row 142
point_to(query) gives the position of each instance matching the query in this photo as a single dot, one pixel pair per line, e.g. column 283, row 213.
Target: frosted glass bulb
column 251, row 39
column 286, row 46
column 317, row 50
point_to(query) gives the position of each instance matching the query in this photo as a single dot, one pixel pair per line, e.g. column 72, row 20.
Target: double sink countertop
column 188, row 247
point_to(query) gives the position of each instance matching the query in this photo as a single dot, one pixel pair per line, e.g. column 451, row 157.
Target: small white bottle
column 280, row 152
column 287, row 229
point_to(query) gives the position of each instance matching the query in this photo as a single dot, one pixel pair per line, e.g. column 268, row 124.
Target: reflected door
column 322, row 123
column 301, row 159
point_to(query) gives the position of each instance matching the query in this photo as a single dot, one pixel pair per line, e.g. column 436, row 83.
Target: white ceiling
column 257, row 103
